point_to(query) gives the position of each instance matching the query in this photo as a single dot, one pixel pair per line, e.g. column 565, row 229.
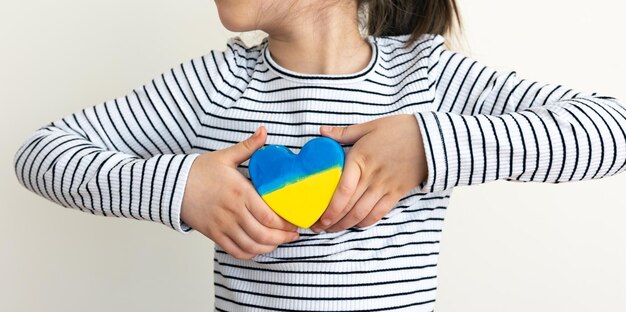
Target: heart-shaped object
column 298, row 187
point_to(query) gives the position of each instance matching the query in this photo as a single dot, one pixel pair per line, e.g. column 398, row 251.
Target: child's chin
column 236, row 16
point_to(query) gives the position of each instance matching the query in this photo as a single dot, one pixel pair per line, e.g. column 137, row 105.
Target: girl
column 416, row 120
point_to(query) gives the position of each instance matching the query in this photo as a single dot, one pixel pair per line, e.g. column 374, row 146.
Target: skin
column 223, row 205
column 386, row 160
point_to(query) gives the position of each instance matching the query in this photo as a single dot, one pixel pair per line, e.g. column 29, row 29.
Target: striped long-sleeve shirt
column 130, row 157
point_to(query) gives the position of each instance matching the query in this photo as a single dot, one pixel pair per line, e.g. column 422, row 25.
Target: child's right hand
column 222, row 204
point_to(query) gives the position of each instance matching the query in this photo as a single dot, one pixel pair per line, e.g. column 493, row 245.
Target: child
column 416, row 119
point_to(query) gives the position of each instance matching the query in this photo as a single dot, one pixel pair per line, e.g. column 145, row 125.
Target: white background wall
column 533, row 246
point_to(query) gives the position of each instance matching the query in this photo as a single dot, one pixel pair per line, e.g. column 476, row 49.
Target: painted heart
column 298, row 187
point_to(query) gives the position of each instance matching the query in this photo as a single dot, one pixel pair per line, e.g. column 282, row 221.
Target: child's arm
column 126, row 157
column 485, row 126
column 134, row 157
column 491, row 125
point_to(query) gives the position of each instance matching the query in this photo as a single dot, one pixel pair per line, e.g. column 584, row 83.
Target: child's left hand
column 385, row 162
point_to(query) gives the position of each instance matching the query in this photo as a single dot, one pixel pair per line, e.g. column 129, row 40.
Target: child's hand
column 386, row 161
column 222, row 204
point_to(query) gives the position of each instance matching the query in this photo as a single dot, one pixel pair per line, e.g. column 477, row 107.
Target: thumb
column 243, row 150
column 345, row 135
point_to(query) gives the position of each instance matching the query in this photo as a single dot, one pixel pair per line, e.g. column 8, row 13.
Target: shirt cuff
column 432, row 134
column 178, row 192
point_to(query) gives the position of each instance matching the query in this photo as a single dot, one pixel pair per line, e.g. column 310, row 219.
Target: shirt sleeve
column 491, row 125
column 127, row 157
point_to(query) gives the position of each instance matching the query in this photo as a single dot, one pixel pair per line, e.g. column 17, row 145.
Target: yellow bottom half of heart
column 303, row 202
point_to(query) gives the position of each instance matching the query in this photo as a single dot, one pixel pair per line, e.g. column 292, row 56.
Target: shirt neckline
column 323, row 78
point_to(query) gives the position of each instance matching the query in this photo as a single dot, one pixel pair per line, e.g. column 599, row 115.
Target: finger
column 265, row 215
column 247, row 244
column 243, row 150
column 264, row 235
column 360, row 190
column 231, row 248
column 382, row 207
column 361, row 209
column 345, row 189
column 346, row 135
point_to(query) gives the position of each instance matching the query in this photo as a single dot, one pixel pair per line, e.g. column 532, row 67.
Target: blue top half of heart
column 274, row 166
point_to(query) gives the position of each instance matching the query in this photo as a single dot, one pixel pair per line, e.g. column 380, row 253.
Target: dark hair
column 416, row 17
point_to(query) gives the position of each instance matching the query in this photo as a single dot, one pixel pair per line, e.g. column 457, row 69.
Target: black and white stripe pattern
column 129, row 157
column 491, row 125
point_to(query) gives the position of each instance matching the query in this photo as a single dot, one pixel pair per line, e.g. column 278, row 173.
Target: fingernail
column 326, row 222
column 294, row 237
column 326, row 128
column 256, row 133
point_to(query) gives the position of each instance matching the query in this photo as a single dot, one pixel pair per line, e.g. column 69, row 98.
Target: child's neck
column 314, row 45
